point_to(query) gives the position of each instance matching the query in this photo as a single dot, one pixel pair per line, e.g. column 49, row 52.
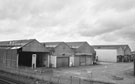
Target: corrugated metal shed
column 76, row 45
column 110, row 46
column 123, row 51
column 26, row 45
column 84, row 53
column 20, row 52
column 62, row 52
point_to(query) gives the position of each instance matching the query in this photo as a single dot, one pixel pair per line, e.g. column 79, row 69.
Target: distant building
column 133, row 58
column 60, row 54
column 133, row 55
column 84, row 54
column 27, row 53
column 113, row 53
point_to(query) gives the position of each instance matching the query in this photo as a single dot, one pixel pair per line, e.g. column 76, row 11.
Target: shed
column 26, row 53
column 60, row 54
column 113, row 53
column 84, row 54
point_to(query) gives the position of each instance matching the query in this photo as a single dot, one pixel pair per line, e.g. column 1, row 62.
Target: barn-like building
column 113, row 53
column 84, row 54
column 60, row 54
column 23, row 53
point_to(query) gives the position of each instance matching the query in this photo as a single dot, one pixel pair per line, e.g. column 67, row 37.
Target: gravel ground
column 119, row 73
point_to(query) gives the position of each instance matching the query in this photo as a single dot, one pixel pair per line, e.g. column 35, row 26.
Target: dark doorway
column 25, row 59
column 42, row 60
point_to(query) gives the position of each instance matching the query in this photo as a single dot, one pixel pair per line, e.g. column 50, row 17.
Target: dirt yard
column 119, row 73
column 103, row 73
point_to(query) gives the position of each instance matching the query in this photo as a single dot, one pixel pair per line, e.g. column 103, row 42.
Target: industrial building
column 23, row 53
column 84, row 54
column 60, row 54
column 113, row 53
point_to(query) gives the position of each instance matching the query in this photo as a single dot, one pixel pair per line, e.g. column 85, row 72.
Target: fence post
column 71, row 79
column 59, row 80
column 79, row 80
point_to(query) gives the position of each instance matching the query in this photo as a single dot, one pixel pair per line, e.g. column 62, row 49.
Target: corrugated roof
column 14, row 44
column 74, row 44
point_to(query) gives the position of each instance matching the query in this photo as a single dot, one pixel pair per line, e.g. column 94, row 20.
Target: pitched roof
column 109, row 46
column 51, row 44
column 74, row 44
column 14, row 44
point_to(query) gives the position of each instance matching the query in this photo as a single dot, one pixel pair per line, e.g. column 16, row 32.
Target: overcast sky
column 95, row 21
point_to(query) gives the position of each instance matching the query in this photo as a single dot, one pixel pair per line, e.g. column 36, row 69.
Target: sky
column 95, row 21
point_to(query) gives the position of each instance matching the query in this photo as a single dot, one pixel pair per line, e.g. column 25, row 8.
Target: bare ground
column 104, row 73
column 119, row 73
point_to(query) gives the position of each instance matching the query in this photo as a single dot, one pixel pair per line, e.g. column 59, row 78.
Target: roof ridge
column 13, row 43
column 17, row 40
column 76, row 42
column 111, row 45
column 54, row 42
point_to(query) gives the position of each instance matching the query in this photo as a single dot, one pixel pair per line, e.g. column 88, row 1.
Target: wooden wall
column 34, row 46
column 8, row 58
column 63, row 50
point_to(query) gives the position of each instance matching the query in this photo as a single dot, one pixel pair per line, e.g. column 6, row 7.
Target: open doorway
column 25, row 59
column 31, row 59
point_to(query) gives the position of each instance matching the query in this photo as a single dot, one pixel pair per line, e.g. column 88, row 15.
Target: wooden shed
column 84, row 54
column 113, row 53
column 25, row 53
column 60, row 54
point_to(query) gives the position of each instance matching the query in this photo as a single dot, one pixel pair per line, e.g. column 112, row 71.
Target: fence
column 54, row 77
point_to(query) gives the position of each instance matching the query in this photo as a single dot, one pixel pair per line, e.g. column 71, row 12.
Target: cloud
column 110, row 22
column 68, row 20
column 118, row 5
